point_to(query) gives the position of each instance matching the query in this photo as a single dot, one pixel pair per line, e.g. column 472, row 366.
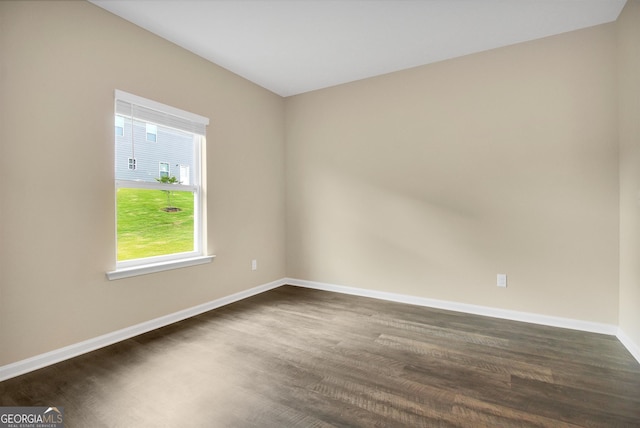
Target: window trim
column 158, row 267
column 147, row 265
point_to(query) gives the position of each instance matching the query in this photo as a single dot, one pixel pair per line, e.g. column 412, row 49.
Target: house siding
column 171, row 146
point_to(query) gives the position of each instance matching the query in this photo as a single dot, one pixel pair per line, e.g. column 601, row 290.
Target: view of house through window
column 158, row 192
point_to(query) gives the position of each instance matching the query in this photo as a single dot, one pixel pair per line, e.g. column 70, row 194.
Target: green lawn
column 145, row 230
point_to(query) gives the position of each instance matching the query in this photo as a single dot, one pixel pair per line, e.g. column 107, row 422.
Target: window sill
column 157, row 267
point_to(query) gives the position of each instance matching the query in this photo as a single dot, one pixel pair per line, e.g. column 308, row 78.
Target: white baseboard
column 39, row 361
column 569, row 323
column 632, row 347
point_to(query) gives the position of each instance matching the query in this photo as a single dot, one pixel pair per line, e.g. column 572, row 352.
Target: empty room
column 320, row 213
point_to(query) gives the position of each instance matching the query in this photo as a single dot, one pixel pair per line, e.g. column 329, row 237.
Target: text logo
column 31, row 417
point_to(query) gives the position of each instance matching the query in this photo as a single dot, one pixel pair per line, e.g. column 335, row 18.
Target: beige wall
column 430, row 181
column 425, row 182
column 60, row 63
column 629, row 102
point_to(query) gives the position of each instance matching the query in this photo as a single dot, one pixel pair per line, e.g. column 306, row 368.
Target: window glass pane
column 119, row 126
column 152, row 132
column 154, row 223
column 157, row 222
column 175, row 148
column 164, row 169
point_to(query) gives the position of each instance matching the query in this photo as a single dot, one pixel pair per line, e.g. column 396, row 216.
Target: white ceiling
column 295, row 46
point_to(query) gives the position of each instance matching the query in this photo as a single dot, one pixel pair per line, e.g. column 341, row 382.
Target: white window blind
column 153, row 112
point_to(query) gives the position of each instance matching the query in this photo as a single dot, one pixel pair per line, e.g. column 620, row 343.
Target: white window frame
column 147, row 265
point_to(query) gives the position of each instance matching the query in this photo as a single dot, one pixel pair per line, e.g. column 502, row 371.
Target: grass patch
column 146, row 230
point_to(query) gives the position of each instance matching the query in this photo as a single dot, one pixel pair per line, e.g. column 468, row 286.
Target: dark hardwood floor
column 295, row 357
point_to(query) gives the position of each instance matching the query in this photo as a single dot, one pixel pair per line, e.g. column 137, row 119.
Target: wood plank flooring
column 294, row 357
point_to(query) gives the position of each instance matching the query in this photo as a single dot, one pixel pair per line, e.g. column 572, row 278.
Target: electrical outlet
column 254, row 265
column 502, row 280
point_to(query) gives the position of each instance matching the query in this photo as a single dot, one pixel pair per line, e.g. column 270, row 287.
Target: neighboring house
column 152, row 152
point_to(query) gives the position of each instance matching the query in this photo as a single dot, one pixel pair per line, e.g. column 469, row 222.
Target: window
column 119, row 126
column 164, row 169
column 152, row 132
column 159, row 217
